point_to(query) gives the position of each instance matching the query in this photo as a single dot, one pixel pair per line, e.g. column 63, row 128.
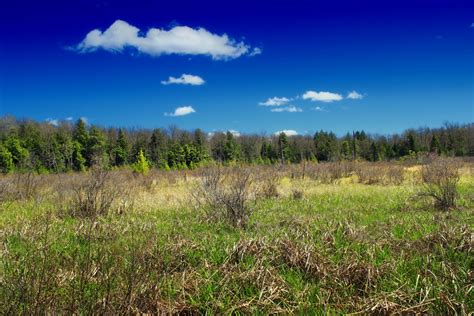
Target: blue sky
column 284, row 65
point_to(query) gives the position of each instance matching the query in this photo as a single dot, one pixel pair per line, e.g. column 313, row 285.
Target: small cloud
column 322, row 96
column 319, row 109
column 255, row 51
column 234, row 132
column 185, row 79
column 181, row 111
column 291, row 109
column 354, row 95
column 288, row 132
column 69, row 118
column 275, row 101
column 472, row 25
column 53, row 122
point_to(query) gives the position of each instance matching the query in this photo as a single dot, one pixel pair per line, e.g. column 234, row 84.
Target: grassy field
column 318, row 246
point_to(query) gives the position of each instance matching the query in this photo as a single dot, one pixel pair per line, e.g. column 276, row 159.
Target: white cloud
column 234, row 132
column 181, row 111
column 256, row 51
column 291, row 109
column 288, row 132
column 182, row 40
column 185, row 79
column 322, row 96
column 53, row 122
column 354, row 95
column 69, row 118
column 275, row 101
column 319, row 109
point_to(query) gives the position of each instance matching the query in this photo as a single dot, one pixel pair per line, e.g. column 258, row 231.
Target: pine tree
column 326, row 146
column 374, row 152
column 141, row 165
column 78, row 161
column 159, row 149
column 283, row 148
column 80, row 133
column 121, row 149
column 231, row 148
column 435, row 145
column 96, row 147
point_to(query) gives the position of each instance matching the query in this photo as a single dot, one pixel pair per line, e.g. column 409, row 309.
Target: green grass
column 345, row 248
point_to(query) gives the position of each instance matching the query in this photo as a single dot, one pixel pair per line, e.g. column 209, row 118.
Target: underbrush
column 314, row 249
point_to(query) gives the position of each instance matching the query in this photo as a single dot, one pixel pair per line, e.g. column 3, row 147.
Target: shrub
column 6, row 160
column 141, row 166
column 94, row 196
column 440, row 180
column 269, row 187
column 224, row 195
column 297, row 194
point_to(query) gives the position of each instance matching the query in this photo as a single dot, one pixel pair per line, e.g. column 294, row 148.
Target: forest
column 74, row 146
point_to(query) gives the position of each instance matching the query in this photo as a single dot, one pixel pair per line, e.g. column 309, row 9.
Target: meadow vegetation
column 342, row 237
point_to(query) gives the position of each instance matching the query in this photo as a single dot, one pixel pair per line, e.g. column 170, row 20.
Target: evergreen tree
column 283, row 148
column 159, row 149
column 121, row 149
column 141, row 165
column 435, row 145
column 231, row 148
column 346, row 150
column 80, row 133
column 199, row 142
column 96, row 146
column 411, row 142
column 78, row 161
column 374, row 152
column 326, row 146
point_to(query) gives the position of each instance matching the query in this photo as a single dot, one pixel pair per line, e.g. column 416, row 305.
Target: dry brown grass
column 224, row 195
column 440, row 179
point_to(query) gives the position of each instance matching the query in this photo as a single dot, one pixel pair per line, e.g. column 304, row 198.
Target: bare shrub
column 7, row 189
column 224, row 195
column 297, row 194
column 379, row 173
column 440, row 180
column 369, row 174
column 330, row 172
column 26, row 185
column 395, row 174
column 94, row 196
column 269, row 187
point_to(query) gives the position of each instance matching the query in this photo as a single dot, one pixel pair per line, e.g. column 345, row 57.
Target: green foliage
column 326, row 146
column 121, row 149
column 141, row 165
column 6, row 160
column 231, row 148
column 18, row 152
column 283, row 148
column 78, row 161
column 96, row 148
column 80, row 133
column 38, row 146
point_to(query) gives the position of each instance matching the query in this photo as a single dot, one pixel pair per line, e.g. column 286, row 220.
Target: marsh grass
column 345, row 247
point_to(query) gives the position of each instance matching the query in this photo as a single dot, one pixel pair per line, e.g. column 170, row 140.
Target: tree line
column 76, row 146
